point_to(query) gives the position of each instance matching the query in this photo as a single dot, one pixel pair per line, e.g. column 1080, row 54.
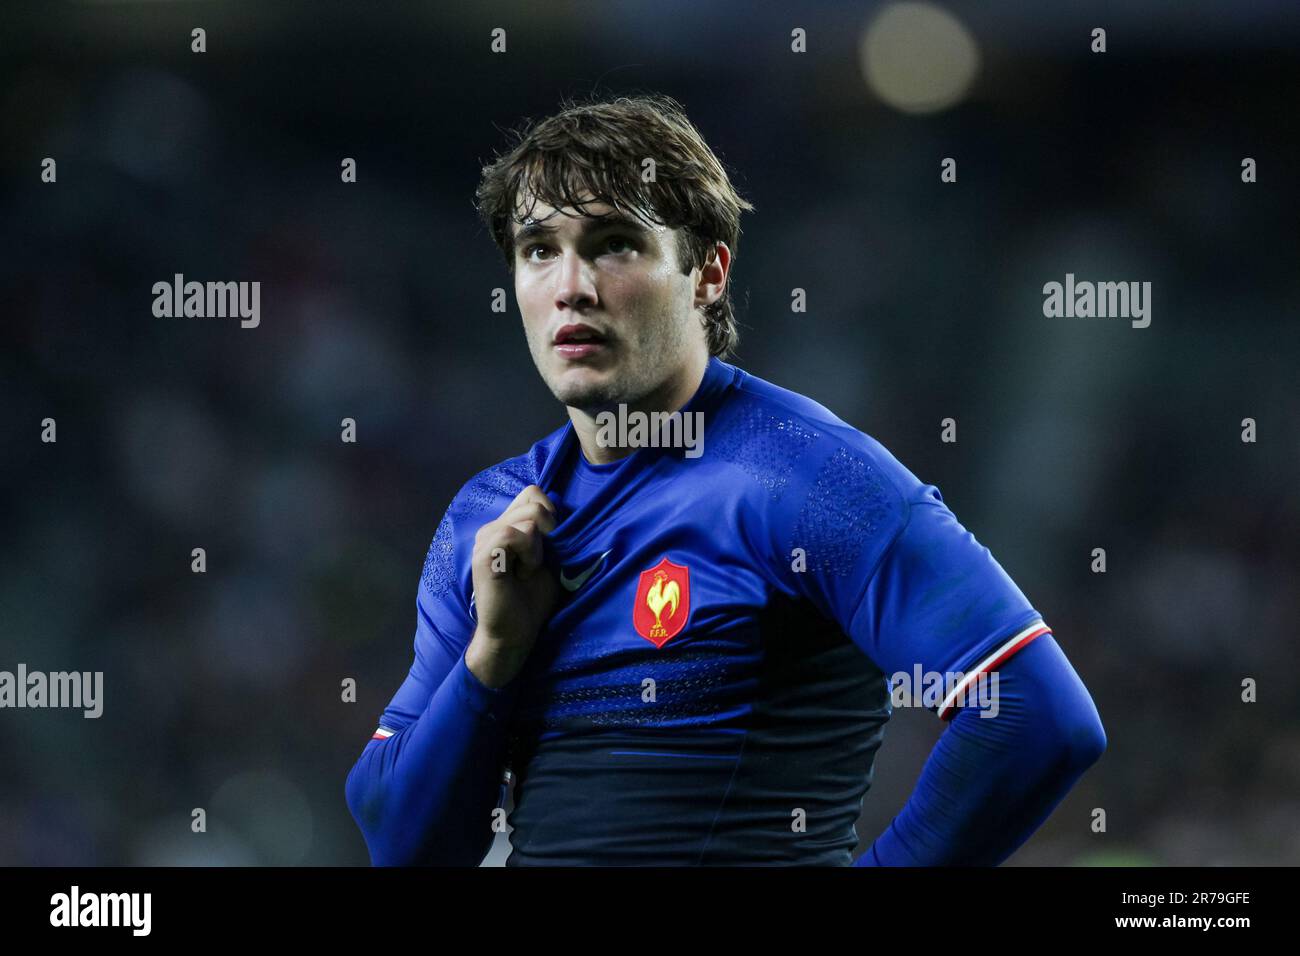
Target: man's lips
column 580, row 350
column 577, row 341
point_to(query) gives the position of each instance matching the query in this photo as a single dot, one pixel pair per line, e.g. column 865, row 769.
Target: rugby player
column 683, row 655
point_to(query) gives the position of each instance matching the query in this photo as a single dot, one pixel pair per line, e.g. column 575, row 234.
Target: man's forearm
column 990, row 782
column 425, row 795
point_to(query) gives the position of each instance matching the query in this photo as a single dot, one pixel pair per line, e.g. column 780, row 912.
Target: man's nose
column 576, row 287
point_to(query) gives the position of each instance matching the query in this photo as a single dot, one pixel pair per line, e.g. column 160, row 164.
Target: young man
column 683, row 653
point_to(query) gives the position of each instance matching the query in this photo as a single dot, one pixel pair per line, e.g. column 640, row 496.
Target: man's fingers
column 506, row 548
column 526, row 545
column 530, row 548
column 530, row 510
column 513, row 542
column 532, row 494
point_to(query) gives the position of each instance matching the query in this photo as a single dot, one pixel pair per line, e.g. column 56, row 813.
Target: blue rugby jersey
column 712, row 687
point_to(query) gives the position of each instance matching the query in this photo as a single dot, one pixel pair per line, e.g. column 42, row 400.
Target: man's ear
column 710, row 259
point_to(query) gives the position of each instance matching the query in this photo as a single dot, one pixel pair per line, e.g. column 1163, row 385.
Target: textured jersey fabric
column 715, row 689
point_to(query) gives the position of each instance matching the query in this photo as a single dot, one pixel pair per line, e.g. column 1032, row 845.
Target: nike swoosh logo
column 572, row 584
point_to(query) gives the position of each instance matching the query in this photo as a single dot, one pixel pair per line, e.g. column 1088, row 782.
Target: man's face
column 609, row 316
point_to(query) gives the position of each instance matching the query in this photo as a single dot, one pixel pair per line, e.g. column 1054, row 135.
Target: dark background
column 222, row 690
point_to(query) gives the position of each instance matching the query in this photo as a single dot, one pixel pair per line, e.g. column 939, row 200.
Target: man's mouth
column 578, row 341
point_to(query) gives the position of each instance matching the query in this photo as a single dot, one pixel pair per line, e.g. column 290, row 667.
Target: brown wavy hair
column 596, row 149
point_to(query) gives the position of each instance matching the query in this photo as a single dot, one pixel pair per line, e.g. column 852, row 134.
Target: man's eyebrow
column 536, row 230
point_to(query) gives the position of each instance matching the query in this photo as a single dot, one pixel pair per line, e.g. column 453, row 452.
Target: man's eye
column 610, row 243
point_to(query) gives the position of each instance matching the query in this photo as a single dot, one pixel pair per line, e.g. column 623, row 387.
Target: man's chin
column 586, row 388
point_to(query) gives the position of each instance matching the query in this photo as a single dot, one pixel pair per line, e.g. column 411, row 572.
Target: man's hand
column 514, row 591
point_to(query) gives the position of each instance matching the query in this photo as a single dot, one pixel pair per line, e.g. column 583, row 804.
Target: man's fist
column 513, row 589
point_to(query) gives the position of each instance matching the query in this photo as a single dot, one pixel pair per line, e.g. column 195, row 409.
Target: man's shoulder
column 490, row 490
column 817, row 483
column 769, row 430
column 481, row 499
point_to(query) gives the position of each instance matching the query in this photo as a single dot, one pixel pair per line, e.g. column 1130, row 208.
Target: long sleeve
column 990, row 782
column 424, row 788
column 425, row 794
column 888, row 560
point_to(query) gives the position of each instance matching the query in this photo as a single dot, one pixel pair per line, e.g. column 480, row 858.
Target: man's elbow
column 364, row 805
column 384, row 843
column 1082, row 742
column 391, row 841
column 1062, row 706
column 1069, row 736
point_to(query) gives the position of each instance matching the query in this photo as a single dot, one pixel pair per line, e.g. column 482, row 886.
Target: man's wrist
column 493, row 663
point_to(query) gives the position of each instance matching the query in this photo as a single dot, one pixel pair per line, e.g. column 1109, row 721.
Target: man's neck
column 669, row 397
